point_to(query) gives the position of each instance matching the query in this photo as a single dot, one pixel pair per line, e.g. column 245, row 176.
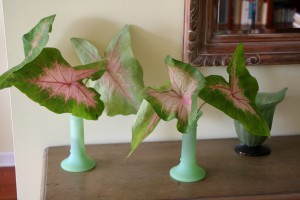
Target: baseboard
column 7, row 159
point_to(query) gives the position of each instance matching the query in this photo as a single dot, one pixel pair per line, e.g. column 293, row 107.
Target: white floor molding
column 7, row 159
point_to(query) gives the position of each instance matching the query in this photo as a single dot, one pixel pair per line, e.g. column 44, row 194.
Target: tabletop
column 145, row 175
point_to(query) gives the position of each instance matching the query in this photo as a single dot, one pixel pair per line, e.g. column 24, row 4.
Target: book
column 223, row 12
column 252, row 12
column 264, row 13
column 245, row 12
column 237, row 10
column 258, row 12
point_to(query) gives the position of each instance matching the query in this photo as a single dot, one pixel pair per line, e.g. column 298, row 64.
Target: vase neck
column 77, row 134
column 188, row 148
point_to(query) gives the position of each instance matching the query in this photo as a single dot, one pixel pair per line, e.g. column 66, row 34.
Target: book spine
column 237, row 11
column 245, row 12
column 264, row 13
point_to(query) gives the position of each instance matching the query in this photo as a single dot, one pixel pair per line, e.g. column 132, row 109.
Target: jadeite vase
column 252, row 144
column 188, row 170
column 77, row 161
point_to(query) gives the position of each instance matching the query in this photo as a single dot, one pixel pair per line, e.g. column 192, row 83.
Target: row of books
column 283, row 11
column 256, row 12
column 249, row 12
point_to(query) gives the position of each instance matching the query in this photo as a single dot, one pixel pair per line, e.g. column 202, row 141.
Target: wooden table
column 145, row 175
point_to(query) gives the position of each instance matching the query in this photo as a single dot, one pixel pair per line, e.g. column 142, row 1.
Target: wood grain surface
column 145, row 175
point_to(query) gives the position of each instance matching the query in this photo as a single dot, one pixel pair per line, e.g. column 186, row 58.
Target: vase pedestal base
column 260, row 150
column 78, row 164
column 184, row 173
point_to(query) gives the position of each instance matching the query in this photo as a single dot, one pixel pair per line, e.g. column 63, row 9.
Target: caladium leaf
column 267, row 102
column 123, row 79
column 50, row 81
column 34, row 42
column 180, row 100
column 267, row 99
column 145, row 122
column 236, row 98
column 86, row 51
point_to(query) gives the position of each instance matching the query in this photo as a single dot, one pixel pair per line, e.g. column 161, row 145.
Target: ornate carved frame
column 203, row 47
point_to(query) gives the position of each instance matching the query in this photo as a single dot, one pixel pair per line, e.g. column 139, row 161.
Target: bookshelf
column 256, row 16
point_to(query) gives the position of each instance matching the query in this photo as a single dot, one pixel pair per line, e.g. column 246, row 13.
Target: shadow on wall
column 287, row 120
column 149, row 48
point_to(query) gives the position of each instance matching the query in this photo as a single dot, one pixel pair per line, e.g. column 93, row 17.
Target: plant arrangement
column 111, row 83
column 252, row 144
column 179, row 99
column 114, row 83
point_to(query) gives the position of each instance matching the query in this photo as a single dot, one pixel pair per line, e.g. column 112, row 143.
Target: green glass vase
column 251, row 143
column 77, row 161
column 188, row 170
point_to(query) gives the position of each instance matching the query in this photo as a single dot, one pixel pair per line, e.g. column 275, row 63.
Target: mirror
column 209, row 41
column 258, row 16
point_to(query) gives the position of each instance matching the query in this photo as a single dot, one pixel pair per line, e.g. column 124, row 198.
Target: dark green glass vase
column 251, row 143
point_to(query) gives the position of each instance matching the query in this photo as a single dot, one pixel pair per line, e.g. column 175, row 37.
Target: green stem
column 200, row 107
column 85, row 81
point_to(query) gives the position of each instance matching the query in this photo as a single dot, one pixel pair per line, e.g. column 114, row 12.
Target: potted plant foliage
column 48, row 79
column 252, row 144
column 114, row 82
column 178, row 99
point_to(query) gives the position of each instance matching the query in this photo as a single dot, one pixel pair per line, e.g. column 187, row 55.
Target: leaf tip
column 168, row 59
column 126, row 28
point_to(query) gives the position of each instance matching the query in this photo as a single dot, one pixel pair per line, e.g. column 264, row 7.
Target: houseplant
column 48, row 79
column 252, row 144
column 120, row 84
column 178, row 99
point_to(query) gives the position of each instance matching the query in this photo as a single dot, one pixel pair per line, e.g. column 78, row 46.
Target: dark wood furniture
column 8, row 190
column 145, row 175
column 204, row 46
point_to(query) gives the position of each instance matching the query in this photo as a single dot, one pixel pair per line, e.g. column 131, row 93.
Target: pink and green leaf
column 50, row 81
column 145, row 122
column 236, row 98
column 123, row 79
column 34, row 42
column 180, row 100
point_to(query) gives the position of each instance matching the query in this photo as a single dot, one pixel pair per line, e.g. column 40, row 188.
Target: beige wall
column 157, row 30
column 6, row 136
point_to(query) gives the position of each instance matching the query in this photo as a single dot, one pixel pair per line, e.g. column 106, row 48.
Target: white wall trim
column 7, row 159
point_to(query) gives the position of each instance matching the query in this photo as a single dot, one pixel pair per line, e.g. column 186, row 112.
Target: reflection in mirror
column 207, row 44
column 258, row 16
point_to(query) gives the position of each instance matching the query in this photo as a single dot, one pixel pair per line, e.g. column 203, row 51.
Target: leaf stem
column 85, row 81
column 200, row 107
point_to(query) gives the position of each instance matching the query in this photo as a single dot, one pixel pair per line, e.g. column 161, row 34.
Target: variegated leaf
column 50, row 81
column 180, row 100
column 236, row 98
column 85, row 50
column 145, row 122
column 123, row 80
column 34, row 42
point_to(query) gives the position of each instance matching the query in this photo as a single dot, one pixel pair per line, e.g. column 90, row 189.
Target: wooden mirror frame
column 203, row 47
